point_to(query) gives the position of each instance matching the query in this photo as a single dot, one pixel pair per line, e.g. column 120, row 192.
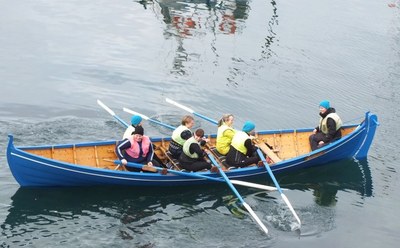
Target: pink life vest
column 134, row 151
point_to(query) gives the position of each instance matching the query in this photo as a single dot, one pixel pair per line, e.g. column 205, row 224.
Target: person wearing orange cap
column 329, row 126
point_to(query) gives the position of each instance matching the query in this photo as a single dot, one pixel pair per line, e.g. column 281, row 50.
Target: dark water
column 271, row 62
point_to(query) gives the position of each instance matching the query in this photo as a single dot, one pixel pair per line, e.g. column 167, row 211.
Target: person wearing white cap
column 242, row 152
column 329, row 127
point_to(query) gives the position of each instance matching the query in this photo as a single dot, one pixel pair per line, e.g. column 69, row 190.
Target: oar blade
column 135, row 113
column 105, row 107
column 286, row 200
column 122, row 122
column 254, row 185
column 255, row 217
column 179, row 105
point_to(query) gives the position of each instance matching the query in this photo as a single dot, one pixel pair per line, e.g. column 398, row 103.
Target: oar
column 270, row 153
column 252, row 213
column 258, row 151
column 136, row 165
column 112, row 113
column 190, row 110
column 193, row 175
column 148, row 118
column 285, row 199
column 238, row 182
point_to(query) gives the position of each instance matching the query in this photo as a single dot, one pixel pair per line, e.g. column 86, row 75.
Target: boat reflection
column 117, row 202
column 326, row 181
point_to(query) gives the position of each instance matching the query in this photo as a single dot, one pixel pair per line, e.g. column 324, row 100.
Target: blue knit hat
column 136, row 119
column 325, row 104
column 248, row 126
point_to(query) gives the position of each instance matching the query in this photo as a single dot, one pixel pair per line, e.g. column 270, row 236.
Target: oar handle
column 149, row 119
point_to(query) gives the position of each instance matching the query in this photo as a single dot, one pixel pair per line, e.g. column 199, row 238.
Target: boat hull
column 31, row 170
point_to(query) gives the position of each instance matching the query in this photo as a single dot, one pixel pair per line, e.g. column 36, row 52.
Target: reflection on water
column 326, row 181
column 197, row 20
column 40, row 213
column 129, row 213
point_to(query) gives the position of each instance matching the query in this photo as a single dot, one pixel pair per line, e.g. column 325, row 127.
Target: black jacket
column 332, row 133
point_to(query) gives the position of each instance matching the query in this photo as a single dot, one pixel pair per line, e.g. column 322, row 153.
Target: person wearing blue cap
column 329, row 127
column 242, row 152
column 136, row 120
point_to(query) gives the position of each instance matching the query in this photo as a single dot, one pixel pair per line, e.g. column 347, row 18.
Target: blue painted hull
column 32, row 170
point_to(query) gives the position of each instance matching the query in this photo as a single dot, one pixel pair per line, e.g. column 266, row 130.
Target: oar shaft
column 226, row 178
column 252, row 213
column 206, row 118
column 285, row 199
column 199, row 176
column 269, row 171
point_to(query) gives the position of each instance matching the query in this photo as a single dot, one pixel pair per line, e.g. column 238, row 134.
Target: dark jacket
column 332, row 133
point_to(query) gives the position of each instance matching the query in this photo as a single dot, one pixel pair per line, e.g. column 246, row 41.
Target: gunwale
column 70, row 164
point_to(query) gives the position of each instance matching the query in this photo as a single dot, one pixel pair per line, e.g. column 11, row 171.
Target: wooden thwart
column 271, row 154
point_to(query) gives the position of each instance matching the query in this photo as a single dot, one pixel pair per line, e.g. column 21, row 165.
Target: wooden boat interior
column 286, row 144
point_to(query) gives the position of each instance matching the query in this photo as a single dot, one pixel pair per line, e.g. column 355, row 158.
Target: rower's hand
column 123, row 161
column 150, row 163
column 207, row 151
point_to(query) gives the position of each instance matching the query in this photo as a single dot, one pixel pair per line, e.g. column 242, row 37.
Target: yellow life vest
column 323, row 122
column 238, row 141
column 186, row 148
column 223, row 142
column 176, row 134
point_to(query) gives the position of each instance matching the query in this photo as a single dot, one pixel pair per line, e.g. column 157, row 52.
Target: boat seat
column 221, row 158
column 172, row 163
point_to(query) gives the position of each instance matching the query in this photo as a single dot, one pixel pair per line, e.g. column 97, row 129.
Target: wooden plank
column 267, row 151
column 296, row 144
column 96, row 155
column 169, row 158
column 74, row 153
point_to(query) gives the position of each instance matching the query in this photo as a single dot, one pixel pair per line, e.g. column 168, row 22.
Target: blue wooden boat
column 88, row 164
